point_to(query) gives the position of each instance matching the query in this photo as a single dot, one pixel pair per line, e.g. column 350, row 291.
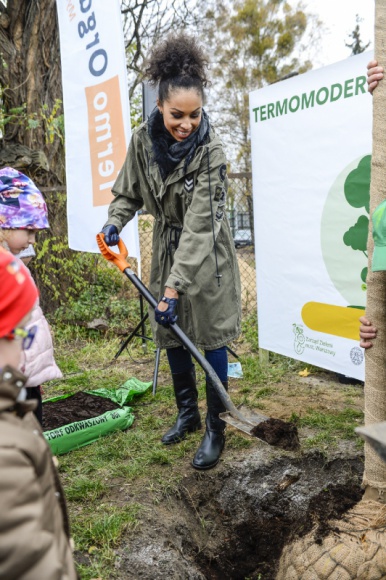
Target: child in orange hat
column 34, row 532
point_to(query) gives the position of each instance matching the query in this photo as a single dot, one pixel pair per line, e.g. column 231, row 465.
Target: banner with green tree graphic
column 311, row 159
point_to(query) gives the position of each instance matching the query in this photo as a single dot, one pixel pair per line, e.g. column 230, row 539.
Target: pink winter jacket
column 38, row 361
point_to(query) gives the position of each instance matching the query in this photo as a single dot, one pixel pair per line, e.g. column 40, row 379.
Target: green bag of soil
column 73, row 435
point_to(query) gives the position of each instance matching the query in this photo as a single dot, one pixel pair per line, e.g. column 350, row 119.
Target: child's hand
column 367, row 332
column 374, row 75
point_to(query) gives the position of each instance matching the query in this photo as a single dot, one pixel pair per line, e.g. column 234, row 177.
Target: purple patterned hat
column 22, row 206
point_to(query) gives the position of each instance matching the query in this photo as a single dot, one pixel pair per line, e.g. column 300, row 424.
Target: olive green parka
column 193, row 248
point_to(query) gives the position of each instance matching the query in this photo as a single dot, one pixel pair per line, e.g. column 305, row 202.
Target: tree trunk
column 374, row 477
column 30, row 77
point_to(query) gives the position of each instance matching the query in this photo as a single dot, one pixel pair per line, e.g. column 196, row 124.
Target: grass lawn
column 107, row 482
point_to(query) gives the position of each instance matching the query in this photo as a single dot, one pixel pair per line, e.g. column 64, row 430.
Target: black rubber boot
column 212, row 444
column 188, row 419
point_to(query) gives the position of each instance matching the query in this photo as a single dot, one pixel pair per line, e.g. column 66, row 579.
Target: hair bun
column 179, row 55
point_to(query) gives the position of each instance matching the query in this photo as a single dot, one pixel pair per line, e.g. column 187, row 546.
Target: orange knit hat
column 18, row 292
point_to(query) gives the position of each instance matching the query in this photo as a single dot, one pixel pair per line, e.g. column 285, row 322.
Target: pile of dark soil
column 278, row 433
column 78, row 407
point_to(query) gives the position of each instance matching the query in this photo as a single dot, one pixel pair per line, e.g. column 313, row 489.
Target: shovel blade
column 375, row 435
column 251, row 420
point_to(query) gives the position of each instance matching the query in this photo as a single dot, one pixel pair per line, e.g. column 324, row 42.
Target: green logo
column 299, row 338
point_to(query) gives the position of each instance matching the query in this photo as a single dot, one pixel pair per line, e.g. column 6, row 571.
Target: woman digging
column 176, row 168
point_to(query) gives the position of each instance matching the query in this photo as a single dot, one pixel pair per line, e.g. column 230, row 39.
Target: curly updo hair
column 178, row 62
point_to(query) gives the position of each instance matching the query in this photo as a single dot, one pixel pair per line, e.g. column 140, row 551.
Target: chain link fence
column 240, row 213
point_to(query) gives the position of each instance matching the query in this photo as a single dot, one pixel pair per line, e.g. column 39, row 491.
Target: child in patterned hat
column 23, row 212
column 22, row 206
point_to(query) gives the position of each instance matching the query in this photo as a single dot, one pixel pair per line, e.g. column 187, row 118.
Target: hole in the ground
column 249, row 514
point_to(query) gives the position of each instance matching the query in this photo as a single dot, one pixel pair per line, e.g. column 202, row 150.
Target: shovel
column 375, row 435
column 245, row 422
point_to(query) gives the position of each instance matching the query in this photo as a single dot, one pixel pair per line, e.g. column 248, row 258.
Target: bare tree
column 356, row 44
column 31, row 88
column 253, row 43
column 147, row 21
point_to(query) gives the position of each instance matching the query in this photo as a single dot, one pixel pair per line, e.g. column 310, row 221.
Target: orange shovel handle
column 117, row 259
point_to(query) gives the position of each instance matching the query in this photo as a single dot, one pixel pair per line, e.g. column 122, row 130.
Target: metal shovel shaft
column 120, row 260
column 375, row 435
column 187, row 343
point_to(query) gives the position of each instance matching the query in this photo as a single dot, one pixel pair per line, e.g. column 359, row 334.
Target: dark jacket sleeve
column 202, row 221
column 127, row 188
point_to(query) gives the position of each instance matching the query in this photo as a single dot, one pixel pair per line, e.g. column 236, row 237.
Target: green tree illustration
column 357, row 194
column 357, row 184
column 356, row 236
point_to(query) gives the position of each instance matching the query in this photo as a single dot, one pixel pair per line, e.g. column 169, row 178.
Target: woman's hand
column 367, row 332
column 374, row 75
column 169, row 293
column 111, row 235
column 165, row 311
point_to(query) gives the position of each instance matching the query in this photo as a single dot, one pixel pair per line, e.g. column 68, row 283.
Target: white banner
column 311, row 154
column 97, row 116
